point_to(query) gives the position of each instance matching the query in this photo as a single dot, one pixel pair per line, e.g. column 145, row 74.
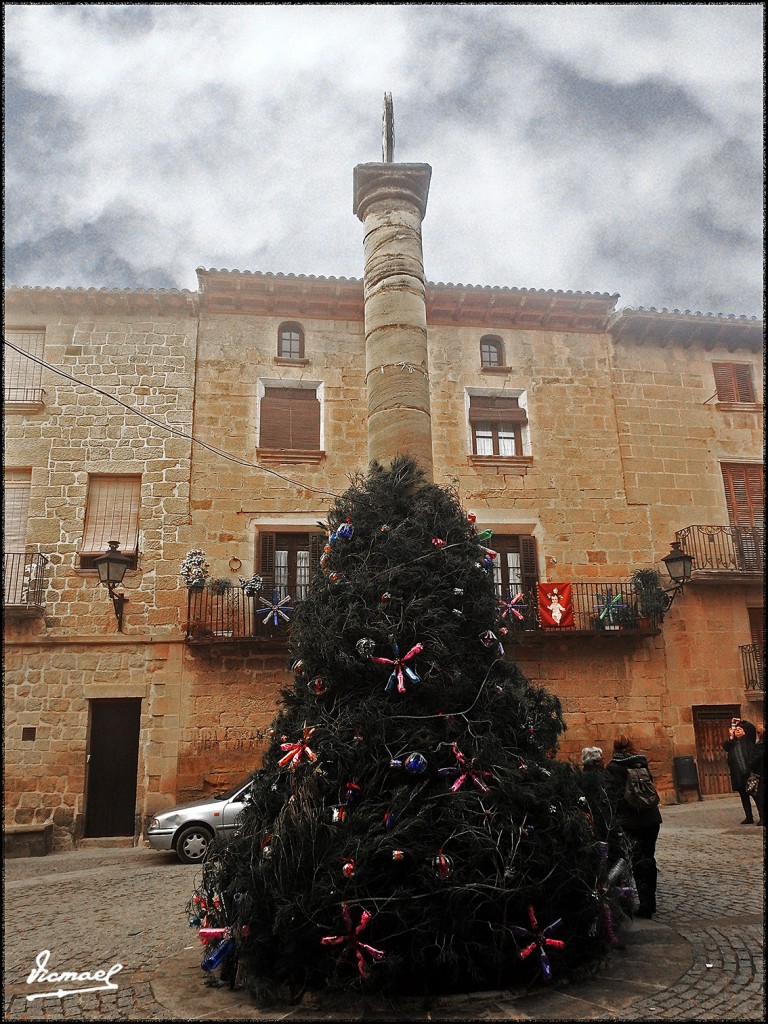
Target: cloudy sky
column 588, row 147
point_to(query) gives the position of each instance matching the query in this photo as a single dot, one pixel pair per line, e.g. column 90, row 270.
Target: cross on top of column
column 388, row 130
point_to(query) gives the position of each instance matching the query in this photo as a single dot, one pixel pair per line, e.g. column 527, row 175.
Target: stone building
column 588, row 439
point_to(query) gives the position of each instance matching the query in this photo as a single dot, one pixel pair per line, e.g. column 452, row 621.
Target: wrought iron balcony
column 722, row 551
column 752, row 656
column 24, row 582
column 597, row 609
column 234, row 615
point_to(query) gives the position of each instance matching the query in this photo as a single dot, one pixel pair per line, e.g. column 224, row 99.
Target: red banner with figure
column 555, row 605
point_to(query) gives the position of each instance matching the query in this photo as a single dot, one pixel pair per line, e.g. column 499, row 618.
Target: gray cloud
column 597, row 147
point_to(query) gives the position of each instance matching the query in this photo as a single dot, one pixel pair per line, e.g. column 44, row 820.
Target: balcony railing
column 753, row 665
column 598, row 609
column 24, row 581
column 724, row 549
column 234, row 615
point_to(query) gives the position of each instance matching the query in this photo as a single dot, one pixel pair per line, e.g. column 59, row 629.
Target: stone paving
column 701, row 958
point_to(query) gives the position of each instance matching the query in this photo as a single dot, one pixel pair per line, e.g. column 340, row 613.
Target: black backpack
column 640, row 791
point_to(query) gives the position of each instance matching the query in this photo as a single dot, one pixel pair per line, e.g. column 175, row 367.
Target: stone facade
column 622, row 448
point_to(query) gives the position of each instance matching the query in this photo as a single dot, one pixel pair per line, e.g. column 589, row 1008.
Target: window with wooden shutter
column 111, row 513
column 497, row 425
column 288, row 562
column 289, row 419
column 745, row 501
column 757, row 628
column 22, row 375
column 734, row 382
column 17, row 485
column 515, row 568
column 744, row 494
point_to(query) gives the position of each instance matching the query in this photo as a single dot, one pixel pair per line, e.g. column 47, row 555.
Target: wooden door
column 113, row 760
column 710, row 726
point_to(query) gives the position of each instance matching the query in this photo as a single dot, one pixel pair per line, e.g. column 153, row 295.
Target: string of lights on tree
column 411, row 828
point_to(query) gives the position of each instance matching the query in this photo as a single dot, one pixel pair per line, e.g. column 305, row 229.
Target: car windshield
column 229, row 793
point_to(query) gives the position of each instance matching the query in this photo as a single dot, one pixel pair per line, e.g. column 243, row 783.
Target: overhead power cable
column 164, row 426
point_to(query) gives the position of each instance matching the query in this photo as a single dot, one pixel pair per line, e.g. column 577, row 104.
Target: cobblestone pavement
column 702, row 958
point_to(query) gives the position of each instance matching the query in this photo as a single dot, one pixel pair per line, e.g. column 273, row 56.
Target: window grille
column 23, row 376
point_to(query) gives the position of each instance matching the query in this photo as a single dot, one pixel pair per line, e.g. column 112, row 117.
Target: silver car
column 189, row 828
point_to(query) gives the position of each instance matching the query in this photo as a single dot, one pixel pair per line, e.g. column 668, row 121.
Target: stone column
column 391, row 200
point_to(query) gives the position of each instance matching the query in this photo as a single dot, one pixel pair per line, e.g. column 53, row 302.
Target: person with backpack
column 740, row 749
column 636, row 803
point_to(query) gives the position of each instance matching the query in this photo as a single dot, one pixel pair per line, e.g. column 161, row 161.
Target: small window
column 287, row 561
column 290, row 341
column 23, row 376
column 28, row 733
column 734, row 382
column 497, row 425
column 111, row 513
column 491, row 351
column 290, row 419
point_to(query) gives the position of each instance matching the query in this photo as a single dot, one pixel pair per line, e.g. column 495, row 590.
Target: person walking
column 740, row 748
column 601, row 812
column 641, row 824
column 757, row 765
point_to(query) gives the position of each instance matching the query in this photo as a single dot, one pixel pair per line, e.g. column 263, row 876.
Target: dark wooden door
column 710, row 726
column 113, row 760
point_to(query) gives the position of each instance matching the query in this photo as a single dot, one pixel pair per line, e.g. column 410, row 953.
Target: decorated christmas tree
column 410, row 829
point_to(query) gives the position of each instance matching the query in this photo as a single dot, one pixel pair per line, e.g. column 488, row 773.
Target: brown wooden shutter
column 112, row 513
column 529, row 570
column 745, row 494
column 316, row 545
column 267, row 562
column 734, row 382
column 490, row 409
column 745, row 391
column 290, row 419
column 757, row 627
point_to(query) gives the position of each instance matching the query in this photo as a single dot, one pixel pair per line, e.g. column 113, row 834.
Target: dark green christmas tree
column 410, row 830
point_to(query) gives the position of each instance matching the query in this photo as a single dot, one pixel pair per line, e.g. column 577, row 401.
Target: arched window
column 491, row 351
column 290, row 341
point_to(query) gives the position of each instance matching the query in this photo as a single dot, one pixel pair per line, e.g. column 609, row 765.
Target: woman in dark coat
column 757, row 765
column 641, row 825
column 740, row 749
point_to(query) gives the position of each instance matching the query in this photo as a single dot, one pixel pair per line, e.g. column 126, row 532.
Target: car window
column 242, row 785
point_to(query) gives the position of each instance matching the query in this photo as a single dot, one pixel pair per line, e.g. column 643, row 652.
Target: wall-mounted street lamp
column 679, row 566
column 112, row 566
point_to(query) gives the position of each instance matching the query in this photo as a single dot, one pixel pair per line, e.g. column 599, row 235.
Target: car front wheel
column 192, row 844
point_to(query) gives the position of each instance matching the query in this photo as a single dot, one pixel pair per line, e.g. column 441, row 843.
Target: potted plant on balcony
column 252, row 586
column 195, row 569
column 650, row 597
column 219, row 586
